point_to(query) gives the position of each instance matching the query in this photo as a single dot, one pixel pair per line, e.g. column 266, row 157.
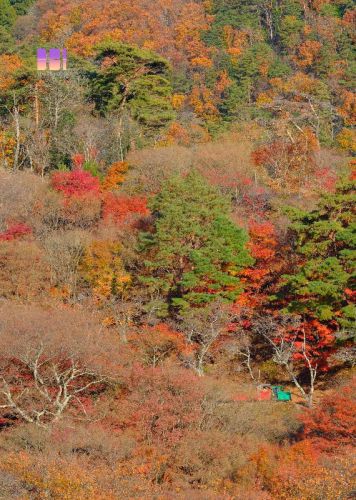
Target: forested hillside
column 177, row 250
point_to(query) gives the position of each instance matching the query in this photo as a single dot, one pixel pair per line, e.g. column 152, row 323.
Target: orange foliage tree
column 115, row 175
column 172, row 29
column 299, row 472
column 157, row 343
column 289, row 163
column 9, row 64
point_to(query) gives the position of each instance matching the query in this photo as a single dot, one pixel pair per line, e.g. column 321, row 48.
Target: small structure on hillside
column 267, row 392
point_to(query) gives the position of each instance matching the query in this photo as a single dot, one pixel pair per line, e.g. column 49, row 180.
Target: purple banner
column 56, row 62
column 41, row 59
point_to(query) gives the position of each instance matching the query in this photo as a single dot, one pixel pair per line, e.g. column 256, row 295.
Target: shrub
column 332, row 423
column 75, row 183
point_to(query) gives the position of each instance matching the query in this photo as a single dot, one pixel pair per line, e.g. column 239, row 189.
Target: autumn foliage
column 122, row 209
column 75, row 183
column 103, row 269
column 158, row 343
column 15, row 231
column 115, row 176
column 176, row 240
column 290, row 162
column 163, row 406
column 332, row 424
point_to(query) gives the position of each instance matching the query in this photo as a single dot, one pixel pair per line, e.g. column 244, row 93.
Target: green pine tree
column 195, row 251
column 7, row 14
column 326, row 239
column 7, row 41
column 21, row 6
column 129, row 79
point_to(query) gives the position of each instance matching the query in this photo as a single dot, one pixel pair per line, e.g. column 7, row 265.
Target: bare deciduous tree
column 64, row 251
column 50, row 361
column 285, row 347
column 204, row 326
column 245, row 353
column 19, row 193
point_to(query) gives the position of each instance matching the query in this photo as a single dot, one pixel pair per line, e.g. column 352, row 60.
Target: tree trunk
column 17, row 133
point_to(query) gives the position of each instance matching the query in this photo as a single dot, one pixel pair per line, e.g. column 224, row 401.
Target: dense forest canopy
column 177, row 250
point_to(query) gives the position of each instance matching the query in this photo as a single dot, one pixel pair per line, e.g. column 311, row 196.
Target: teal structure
column 281, row 395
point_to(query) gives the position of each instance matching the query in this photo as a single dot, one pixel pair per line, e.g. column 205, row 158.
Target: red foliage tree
column 332, row 423
column 325, row 179
column 320, row 343
column 78, row 160
column 163, row 405
column 122, row 209
column 75, row 183
column 263, row 245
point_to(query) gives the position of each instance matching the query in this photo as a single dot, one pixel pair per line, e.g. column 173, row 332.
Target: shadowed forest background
column 177, row 227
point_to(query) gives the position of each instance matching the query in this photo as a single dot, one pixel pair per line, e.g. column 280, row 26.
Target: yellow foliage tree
column 347, row 139
column 202, row 101
column 178, row 101
column 103, row 269
column 7, row 147
column 55, row 478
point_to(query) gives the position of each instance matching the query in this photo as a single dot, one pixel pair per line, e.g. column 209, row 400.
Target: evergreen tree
column 325, row 240
column 126, row 78
column 7, row 14
column 195, row 252
column 21, row 6
column 7, row 41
